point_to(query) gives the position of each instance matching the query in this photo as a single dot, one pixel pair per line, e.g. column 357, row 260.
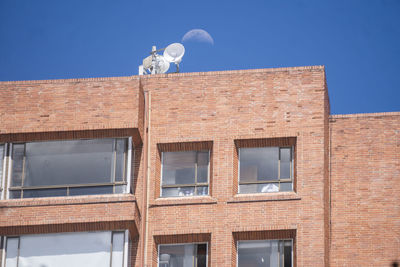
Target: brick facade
column 365, row 191
column 332, row 214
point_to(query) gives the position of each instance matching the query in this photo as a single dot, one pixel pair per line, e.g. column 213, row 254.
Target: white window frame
column 128, row 169
column 208, row 174
column 292, row 148
column 285, row 239
column 180, row 244
column 126, row 246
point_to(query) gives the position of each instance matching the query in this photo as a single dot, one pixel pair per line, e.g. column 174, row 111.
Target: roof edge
column 168, row 75
column 363, row 115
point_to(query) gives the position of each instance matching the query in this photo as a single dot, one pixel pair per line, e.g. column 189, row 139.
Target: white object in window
column 265, row 169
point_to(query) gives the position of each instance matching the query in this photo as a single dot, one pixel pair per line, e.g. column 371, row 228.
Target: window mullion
column 124, row 173
column 279, row 169
column 23, row 171
column 195, row 172
column 114, row 159
column 111, row 248
column 19, row 245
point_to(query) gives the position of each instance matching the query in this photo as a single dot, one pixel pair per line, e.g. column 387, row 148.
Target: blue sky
column 357, row 40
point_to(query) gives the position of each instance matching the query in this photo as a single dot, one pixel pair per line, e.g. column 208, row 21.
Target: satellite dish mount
column 156, row 63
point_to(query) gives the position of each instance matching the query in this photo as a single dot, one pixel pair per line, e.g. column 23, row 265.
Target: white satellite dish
column 156, row 63
column 162, row 64
column 174, row 53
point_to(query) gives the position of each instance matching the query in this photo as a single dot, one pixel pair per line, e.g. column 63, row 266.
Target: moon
column 198, row 35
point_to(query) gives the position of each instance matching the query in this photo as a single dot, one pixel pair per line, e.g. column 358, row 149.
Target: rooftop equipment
column 156, row 63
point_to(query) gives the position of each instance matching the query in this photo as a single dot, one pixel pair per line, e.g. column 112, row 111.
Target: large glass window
column 182, row 255
column 86, row 249
column 69, row 168
column 262, row 253
column 185, row 173
column 265, row 169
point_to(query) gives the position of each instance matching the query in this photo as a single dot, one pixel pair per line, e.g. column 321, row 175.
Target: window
column 259, row 253
column 85, row 249
column 265, row 169
column 182, row 255
column 69, row 168
column 185, row 173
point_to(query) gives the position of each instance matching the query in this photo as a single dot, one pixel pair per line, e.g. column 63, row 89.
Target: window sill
column 70, row 200
column 262, row 197
column 175, row 201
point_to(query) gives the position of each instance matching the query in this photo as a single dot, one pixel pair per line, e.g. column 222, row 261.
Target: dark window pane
column 286, row 154
column 17, row 164
column 178, row 192
column 288, row 254
column 176, row 255
column 285, row 187
column 281, row 254
column 119, row 189
column 185, row 255
column 121, row 148
column 264, row 253
column 186, row 191
column 202, row 166
column 50, row 192
column 15, row 194
column 92, row 190
column 285, row 170
column 202, row 174
column 257, row 164
column 258, row 188
column 258, row 253
column 68, row 162
column 178, row 167
column 170, row 192
column 202, row 190
column 248, row 188
column 252, row 253
column 201, row 255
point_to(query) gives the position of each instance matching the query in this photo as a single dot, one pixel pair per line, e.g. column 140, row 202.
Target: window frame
column 279, row 180
column 127, row 171
column 180, row 244
column 126, row 242
column 195, row 185
column 285, row 239
column 3, row 175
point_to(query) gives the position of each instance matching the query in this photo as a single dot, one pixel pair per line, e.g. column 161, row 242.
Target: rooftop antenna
column 156, row 63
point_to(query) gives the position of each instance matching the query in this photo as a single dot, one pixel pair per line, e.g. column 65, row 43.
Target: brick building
column 231, row 168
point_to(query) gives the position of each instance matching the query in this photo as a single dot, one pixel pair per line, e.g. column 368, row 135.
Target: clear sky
column 357, row 40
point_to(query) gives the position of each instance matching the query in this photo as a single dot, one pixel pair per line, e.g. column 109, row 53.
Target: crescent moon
column 198, row 35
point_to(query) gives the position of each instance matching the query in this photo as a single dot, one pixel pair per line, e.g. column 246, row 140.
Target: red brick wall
column 69, row 109
column 67, row 105
column 344, row 211
column 365, row 189
column 226, row 106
